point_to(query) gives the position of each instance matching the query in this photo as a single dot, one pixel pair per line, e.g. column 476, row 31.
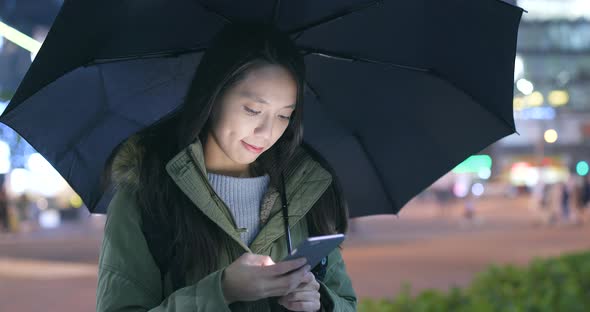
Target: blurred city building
column 551, row 109
column 551, row 96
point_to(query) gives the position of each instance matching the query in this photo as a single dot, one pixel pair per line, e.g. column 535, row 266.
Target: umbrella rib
column 87, row 131
column 89, row 127
column 74, row 161
column 275, row 15
column 210, row 10
column 169, row 53
column 318, row 99
column 350, row 58
column 447, row 80
column 369, row 158
column 333, row 17
column 377, row 172
column 317, row 96
column 353, row 58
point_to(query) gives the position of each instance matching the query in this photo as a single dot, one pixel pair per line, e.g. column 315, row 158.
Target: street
column 55, row 270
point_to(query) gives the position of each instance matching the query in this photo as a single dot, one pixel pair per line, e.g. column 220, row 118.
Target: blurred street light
column 19, row 38
column 550, row 136
column 477, row 189
column 45, row 179
column 484, row 173
column 558, row 98
column 525, row 86
column 19, row 180
column 535, row 99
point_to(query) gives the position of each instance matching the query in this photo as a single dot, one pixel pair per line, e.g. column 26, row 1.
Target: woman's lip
column 254, row 148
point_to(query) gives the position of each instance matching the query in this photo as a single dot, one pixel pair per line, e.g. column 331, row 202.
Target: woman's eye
column 250, row 111
column 253, row 113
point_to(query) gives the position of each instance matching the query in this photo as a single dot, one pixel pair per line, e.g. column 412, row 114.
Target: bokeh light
column 582, row 168
column 550, row 136
column 477, row 189
column 525, row 86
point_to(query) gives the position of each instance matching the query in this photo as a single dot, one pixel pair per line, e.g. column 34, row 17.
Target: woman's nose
column 265, row 127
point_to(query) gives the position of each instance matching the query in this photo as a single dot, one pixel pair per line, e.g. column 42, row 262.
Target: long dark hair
column 234, row 52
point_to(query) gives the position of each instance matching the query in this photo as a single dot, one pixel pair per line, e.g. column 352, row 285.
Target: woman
column 200, row 192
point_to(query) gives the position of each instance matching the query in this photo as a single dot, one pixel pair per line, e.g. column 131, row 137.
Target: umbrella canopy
column 397, row 92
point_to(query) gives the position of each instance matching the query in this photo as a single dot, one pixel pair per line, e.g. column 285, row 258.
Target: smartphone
column 314, row 249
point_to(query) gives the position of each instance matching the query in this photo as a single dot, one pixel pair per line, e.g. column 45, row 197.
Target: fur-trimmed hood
column 126, row 164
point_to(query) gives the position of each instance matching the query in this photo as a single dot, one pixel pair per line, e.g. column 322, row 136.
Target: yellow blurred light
column 550, row 136
column 535, row 99
column 19, row 38
column 558, row 97
column 518, row 103
column 76, row 201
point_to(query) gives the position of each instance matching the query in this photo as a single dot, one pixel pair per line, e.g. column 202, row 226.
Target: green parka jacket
column 129, row 279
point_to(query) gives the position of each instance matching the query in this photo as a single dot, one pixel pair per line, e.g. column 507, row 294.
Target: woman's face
column 252, row 115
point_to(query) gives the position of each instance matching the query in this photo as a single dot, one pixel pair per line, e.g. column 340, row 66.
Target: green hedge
column 560, row 284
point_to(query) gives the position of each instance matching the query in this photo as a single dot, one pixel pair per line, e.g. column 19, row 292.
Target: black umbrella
column 398, row 92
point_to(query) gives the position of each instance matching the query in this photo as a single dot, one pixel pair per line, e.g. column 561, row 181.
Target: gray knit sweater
column 243, row 196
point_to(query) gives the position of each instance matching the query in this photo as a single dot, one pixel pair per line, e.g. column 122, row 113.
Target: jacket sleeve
column 128, row 277
column 336, row 292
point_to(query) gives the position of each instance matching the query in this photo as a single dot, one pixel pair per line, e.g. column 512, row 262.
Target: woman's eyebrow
column 258, row 99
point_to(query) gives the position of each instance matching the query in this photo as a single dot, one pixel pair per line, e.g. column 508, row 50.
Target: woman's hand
column 252, row 277
column 305, row 298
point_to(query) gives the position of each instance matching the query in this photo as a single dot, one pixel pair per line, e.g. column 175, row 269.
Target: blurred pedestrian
column 22, row 207
column 540, row 203
column 584, row 204
column 565, row 201
column 469, row 211
column 554, row 200
column 24, row 211
column 569, row 199
column 469, row 208
column 586, row 191
column 442, row 190
column 4, row 215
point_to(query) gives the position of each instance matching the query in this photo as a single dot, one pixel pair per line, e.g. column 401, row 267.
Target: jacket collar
column 305, row 182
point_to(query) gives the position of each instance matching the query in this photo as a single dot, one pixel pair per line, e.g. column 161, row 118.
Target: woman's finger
column 308, row 283
column 280, row 286
column 301, row 305
column 306, row 295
